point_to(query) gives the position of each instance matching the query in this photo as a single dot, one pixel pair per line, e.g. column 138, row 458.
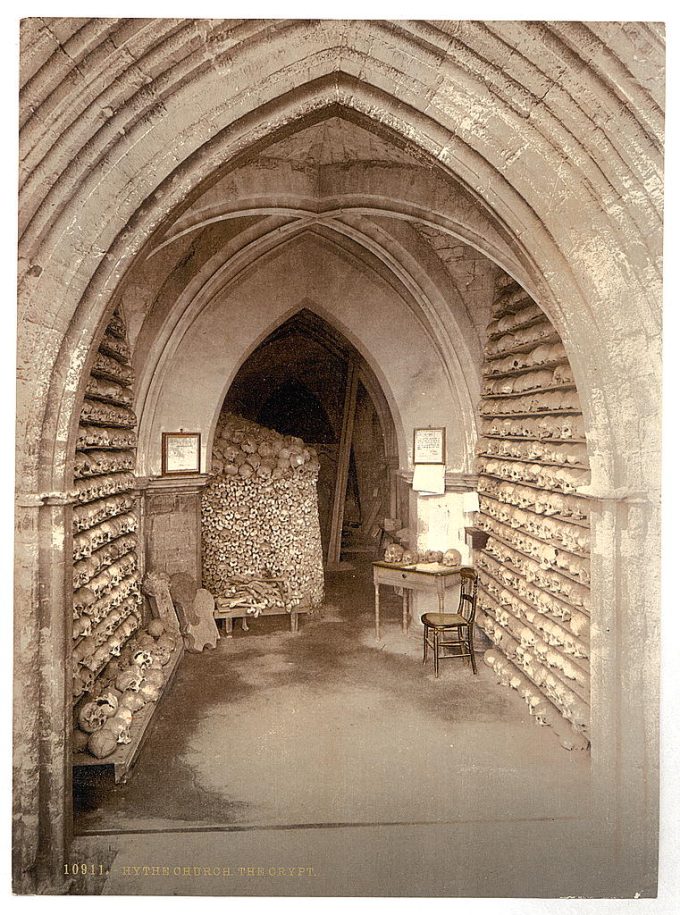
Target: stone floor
column 325, row 747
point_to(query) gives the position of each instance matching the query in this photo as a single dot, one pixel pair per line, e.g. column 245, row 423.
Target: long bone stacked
column 535, row 568
column 106, row 600
column 260, row 520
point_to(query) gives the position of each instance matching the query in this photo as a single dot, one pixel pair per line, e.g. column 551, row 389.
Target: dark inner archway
column 295, row 382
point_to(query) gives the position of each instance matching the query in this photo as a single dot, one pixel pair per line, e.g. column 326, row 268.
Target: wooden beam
column 338, row 512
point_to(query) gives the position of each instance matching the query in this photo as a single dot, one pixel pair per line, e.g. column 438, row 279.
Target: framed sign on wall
column 181, row 453
column 429, row 446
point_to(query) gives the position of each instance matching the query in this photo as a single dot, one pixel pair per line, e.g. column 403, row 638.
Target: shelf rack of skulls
column 534, row 596
column 106, row 586
column 260, row 520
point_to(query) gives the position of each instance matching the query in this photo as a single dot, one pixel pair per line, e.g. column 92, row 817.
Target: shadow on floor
column 331, row 727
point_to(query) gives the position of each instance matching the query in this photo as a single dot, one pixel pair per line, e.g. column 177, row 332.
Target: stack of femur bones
column 106, row 591
column 534, row 601
column 260, row 515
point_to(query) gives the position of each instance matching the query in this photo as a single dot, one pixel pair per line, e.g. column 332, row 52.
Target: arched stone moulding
column 385, row 334
column 520, row 223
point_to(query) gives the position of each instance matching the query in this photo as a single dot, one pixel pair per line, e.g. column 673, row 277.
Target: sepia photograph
column 338, row 457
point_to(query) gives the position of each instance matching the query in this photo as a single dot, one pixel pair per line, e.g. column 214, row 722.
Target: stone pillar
column 625, row 651
column 42, row 813
column 172, row 524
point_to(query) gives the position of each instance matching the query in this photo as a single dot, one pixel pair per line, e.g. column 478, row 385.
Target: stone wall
column 172, row 525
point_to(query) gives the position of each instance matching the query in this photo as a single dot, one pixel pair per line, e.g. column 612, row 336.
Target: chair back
column 467, row 605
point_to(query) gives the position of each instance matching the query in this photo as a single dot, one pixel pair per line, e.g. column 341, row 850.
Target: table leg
column 405, row 610
column 377, row 612
column 440, row 595
column 229, row 626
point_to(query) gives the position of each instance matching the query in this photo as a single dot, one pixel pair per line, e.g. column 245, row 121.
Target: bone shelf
column 571, row 608
column 579, row 522
column 584, row 643
column 582, row 690
column 557, row 546
column 554, row 543
column 525, row 369
column 103, row 473
column 528, row 392
column 116, row 402
column 522, row 438
column 530, row 322
column 102, row 423
column 504, row 311
column 521, row 460
column 527, row 413
column 551, row 570
column 556, row 492
column 108, row 446
column 99, row 372
column 516, row 549
column 579, row 689
column 109, row 349
column 125, row 756
column 97, row 671
column 131, row 548
column 523, row 347
column 78, row 639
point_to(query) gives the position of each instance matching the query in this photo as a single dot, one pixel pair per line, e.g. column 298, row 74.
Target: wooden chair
column 449, row 635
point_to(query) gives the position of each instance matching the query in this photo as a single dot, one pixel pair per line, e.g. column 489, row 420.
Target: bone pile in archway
column 534, row 601
column 106, row 598
column 260, row 519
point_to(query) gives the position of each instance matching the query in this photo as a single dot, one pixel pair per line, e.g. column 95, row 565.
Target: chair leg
column 436, row 653
column 471, row 648
column 425, row 643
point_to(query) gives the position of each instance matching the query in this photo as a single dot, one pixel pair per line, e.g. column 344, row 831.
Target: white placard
column 430, row 479
column 470, row 502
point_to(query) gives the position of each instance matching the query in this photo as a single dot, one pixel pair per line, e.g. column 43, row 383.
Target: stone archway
column 122, row 157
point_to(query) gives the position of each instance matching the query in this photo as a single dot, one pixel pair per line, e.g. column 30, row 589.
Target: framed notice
column 181, row 453
column 429, row 446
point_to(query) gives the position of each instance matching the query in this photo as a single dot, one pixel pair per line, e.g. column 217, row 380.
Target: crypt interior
column 292, row 246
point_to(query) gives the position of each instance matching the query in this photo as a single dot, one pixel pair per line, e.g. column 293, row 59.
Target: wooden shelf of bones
column 124, row 720
column 120, row 671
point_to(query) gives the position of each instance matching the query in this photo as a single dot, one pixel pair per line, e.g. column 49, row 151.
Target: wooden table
column 430, row 577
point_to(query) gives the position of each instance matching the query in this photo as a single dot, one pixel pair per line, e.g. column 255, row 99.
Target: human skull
column 120, row 728
column 452, row 558
column 145, row 640
column 131, row 700
column 142, row 659
column 162, row 653
column 394, row 553
column 102, row 743
column 108, row 702
column 129, row 680
column 154, row 675
column 410, row 557
column 156, row 628
column 149, row 691
column 168, row 641
column 91, row 717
